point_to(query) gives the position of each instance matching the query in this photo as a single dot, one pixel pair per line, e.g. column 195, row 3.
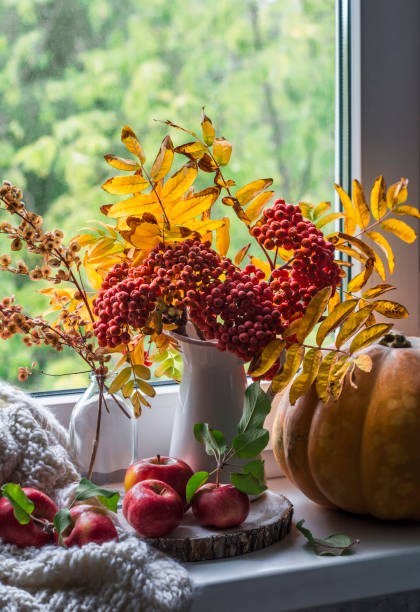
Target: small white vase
column 212, row 391
column 117, row 447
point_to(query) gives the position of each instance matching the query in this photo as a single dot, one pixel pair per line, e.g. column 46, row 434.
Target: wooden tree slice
column 268, row 522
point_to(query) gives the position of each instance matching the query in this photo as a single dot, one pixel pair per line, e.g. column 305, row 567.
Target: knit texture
column 128, row 575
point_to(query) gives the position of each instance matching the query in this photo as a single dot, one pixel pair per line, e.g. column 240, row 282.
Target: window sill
column 289, row 576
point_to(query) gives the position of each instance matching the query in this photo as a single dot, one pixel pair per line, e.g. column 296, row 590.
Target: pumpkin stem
column 395, row 339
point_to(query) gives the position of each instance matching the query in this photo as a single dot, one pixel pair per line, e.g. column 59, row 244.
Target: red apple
column 174, row 472
column 90, row 524
column 153, row 508
column 220, row 506
column 32, row 534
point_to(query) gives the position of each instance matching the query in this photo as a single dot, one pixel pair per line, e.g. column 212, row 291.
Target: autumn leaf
column 256, row 207
column 324, row 375
column 194, row 150
column 207, row 128
column 268, row 357
column 310, row 366
column 338, row 374
column 207, row 164
column 353, row 324
column 360, row 204
column 306, row 209
column 132, row 144
column 362, row 278
column 333, row 301
column 223, row 237
column 368, row 336
column 261, row 265
column 320, row 209
column 385, row 247
column 336, row 317
column 241, row 254
column 163, row 161
column 350, row 219
column 222, row 150
column 180, row 182
column 313, row 313
column 328, row 219
column 407, row 210
column 119, row 381
column 397, row 193
column 363, row 362
column 248, row 192
column 392, row 310
column 188, row 209
column 400, row 229
column 229, row 201
column 378, row 203
column 377, row 290
column 293, row 359
column 120, row 163
column 125, row 184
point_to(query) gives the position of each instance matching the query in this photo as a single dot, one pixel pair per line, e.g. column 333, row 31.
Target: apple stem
column 158, row 459
column 218, row 476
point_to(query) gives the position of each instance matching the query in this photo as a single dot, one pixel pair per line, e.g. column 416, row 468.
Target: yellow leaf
column 120, row 163
column 222, row 182
column 310, row 366
column 94, row 278
column 222, row 150
column 136, row 403
column 328, row 219
column 291, row 328
column 194, row 150
column 207, row 164
column 294, row 356
column 407, row 210
column 100, row 247
column 85, row 239
column 134, row 206
column 285, row 254
column 378, row 204
column 336, row 317
column 207, row 128
column 180, row 182
column 257, row 206
column 125, row 184
column 261, row 265
column 128, row 389
column 188, row 209
column 397, row 193
column 379, row 267
column 353, row 324
column 223, row 237
column 143, row 236
column 119, row 381
column 385, row 247
column 248, row 192
column 334, row 301
column 362, row 208
column 377, row 290
column 321, row 209
column 132, row 144
column 324, row 375
column 369, row 335
column 392, row 310
column 146, row 388
column 362, row 278
column 352, row 252
column 306, row 209
column 350, row 218
column 364, row 248
column 163, row 161
column 313, row 312
column 241, row 254
column 400, row 229
column 337, row 376
column 370, row 320
column 240, row 213
column 229, row 201
column 141, row 371
column 268, row 357
column 363, row 362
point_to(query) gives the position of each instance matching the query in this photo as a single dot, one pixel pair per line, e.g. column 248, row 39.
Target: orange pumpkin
column 360, row 453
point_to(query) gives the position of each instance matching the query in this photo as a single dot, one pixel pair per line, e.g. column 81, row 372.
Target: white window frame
column 372, row 142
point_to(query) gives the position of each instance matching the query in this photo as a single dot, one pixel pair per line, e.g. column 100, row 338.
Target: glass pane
column 72, row 73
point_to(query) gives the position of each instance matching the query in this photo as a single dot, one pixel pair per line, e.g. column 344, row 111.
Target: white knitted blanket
column 124, row 576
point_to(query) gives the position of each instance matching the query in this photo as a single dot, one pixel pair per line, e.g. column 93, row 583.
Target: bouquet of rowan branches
column 162, row 266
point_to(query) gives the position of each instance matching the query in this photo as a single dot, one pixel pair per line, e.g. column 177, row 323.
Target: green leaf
column 62, row 520
column 335, row 544
column 22, row 506
column 194, row 483
column 87, row 489
column 249, row 444
column 213, row 440
column 256, row 468
column 247, row 483
column 256, row 407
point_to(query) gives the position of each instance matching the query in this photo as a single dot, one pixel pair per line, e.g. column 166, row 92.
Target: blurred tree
column 72, row 73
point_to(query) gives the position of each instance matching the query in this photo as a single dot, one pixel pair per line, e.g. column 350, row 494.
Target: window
column 72, row 73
